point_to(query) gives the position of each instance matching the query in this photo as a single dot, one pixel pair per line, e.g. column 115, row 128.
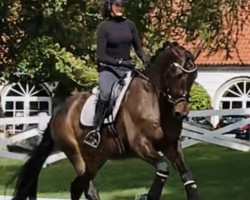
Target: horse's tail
column 27, row 178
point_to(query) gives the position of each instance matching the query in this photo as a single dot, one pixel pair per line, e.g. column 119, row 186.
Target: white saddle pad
column 88, row 111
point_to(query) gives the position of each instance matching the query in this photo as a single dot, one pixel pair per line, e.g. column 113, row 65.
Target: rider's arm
column 102, row 45
column 137, row 43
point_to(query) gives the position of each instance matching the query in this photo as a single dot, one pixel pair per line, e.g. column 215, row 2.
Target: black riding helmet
column 106, row 8
column 116, row 1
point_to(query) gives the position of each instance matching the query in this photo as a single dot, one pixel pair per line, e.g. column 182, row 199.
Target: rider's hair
column 106, row 10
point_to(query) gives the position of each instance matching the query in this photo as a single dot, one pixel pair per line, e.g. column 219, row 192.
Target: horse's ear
column 197, row 50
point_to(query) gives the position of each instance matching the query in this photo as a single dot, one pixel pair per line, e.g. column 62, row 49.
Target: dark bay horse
column 149, row 124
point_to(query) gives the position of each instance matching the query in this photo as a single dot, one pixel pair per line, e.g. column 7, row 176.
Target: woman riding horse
column 115, row 36
column 149, row 124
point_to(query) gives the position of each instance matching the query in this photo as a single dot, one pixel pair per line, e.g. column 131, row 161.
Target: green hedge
column 199, row 98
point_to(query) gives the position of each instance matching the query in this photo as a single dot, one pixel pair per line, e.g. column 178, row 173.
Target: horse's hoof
column 141, row 197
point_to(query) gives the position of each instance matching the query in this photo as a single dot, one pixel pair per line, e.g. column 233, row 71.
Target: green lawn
column 221, row 174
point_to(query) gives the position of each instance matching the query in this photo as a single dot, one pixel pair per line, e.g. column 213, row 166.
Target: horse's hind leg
column 79, row 184
column 174, row 154
column 71, row 148
column 94, row 163
column 86, row 171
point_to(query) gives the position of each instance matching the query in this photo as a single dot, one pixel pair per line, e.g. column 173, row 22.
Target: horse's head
column 175, row 72
column 178, row 79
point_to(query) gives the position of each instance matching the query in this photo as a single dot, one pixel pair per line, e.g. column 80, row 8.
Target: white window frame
column 27, row 95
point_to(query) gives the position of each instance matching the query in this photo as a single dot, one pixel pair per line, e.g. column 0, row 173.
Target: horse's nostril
column 180, row 116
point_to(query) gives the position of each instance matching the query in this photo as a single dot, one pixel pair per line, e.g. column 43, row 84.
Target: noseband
column 170, row 98
column 184, row 97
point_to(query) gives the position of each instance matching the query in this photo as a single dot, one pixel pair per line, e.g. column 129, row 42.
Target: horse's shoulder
column 142, row 83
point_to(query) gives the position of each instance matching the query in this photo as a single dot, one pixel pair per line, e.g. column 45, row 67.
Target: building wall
column 216, row 83
column 213, row 80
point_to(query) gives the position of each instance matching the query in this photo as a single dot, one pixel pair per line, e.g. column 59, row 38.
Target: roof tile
column 238, row 56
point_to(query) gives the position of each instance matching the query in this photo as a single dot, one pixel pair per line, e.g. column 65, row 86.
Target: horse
column 149, row 124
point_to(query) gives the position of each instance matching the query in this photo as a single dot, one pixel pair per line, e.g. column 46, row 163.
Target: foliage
column 69, row 27
column 216, row 24
column 199, row 98
column 52, row 63
column 55, row 43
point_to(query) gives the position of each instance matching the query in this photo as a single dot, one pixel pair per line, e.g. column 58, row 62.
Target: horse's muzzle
column 181, row 110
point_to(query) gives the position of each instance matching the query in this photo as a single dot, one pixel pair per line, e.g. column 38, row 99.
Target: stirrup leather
column 93, row 138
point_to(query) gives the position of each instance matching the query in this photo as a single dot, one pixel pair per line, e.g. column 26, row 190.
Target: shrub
column 199, row 98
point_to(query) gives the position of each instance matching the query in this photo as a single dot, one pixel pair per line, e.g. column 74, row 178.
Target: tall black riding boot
column 93, row 138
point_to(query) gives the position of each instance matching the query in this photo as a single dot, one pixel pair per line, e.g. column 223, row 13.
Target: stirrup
column 93, row 138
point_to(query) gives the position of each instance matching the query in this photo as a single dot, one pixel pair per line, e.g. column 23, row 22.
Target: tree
column 37, row 48
column 54, row 40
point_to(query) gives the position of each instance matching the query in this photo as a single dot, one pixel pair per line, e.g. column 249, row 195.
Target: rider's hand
column 127, row 63
column 145, row 61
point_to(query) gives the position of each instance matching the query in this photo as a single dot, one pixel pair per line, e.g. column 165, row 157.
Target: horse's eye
column 179, row 76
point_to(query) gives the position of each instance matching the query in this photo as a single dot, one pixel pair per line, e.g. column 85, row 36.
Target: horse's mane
column 158, row 51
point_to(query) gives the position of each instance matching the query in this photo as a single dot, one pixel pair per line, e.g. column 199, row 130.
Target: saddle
column 118, row 91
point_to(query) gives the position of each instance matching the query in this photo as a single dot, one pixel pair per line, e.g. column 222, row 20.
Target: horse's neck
column 157, row 70
column 170, row 124
column 155, row 73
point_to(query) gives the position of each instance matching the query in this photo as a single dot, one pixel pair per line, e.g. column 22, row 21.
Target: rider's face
column 117, row 9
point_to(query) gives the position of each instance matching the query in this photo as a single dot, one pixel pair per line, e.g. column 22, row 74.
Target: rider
column 115, row 36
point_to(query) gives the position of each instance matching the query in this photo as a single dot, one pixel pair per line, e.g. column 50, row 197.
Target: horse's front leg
column 93, row 192
column 175, row 155
column 161, row 175
column 159, row 161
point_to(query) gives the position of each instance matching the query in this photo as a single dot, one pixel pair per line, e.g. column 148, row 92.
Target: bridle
column 189, row 71
column 183, row 97
column 170, row 98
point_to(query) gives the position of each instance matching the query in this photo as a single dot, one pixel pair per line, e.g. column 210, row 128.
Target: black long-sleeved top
column 115, row 37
